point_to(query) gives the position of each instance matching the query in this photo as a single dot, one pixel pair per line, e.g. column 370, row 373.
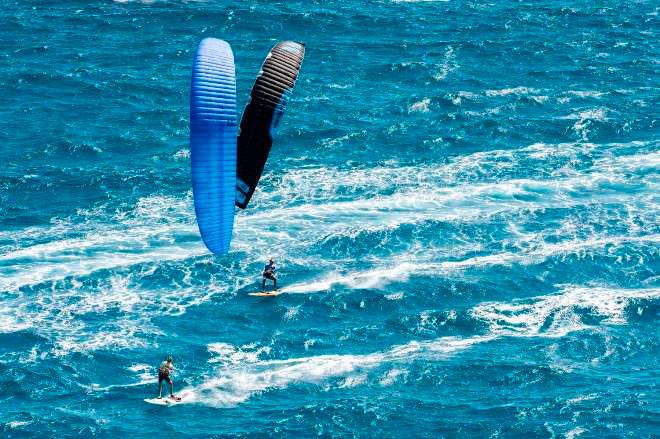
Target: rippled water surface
column 463, row 201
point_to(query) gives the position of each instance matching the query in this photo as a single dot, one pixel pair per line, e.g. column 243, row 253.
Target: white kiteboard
column 166, row 400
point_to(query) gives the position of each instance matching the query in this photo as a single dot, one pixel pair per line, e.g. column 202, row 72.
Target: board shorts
column 164, row 377
column 269, row 276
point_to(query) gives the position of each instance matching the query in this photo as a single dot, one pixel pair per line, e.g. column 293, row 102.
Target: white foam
column 579, row 399
column 137, row 236
column 228, row 354
column 140, row 368
column 53, row 261
column 457, row 99
column 557, row 315
column 392, row 376
column 585, row 120
column 380, row 277
column 10, row 322
column 540, row 99
column 17, row 424
column 128, row 239
column 340, row 86
column 146, row 373
column 327, row 184
column 519, row 91
column 575, row 432
column 291, row 313
column 420, row 1
column 546, row 316
column 448, row 64
column 233, row 385
column 60, row 314
column 339, row 141
column 182, row 154
column 123, row 336
column 420, row 107
column 322, row 203
column 354, row 381
column 144, row 2
column 309, row 343
column 586, row 93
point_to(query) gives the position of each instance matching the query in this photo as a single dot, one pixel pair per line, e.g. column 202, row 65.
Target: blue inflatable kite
column 213, row 142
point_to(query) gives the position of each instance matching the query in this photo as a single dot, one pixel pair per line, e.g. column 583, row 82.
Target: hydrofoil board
column 266, row 293
column 166, row 400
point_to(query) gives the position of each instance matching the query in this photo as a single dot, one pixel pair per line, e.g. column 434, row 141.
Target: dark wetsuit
column 269, row 273
column 164, row 373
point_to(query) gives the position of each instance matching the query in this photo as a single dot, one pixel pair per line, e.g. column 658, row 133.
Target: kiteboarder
column 269, row 273
column 164, row 371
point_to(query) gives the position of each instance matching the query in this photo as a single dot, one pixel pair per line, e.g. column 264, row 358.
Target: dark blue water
column 462, row 202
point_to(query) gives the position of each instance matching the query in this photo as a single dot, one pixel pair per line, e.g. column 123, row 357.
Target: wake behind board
column 164, row 401
column 266, row 293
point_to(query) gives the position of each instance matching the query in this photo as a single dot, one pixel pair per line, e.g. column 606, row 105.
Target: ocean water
column 463, row 203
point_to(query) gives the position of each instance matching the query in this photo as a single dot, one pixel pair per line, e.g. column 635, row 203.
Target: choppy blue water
column 463, row 203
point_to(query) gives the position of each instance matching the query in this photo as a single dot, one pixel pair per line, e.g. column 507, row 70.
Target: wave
column 157, row 228
column 10, row 322
column 146, row 374
column 519, row 91
column 64, row 314
column 234, row 385
column 100, row 263
column 558, row 314
column 542, row 160
column 554, row 315
column 586, row 121
column 380, row 277
column 161, row 228
column 421, row 1
column 133, row 307
column 420, row 107
column 447, row 66
column 585, row 93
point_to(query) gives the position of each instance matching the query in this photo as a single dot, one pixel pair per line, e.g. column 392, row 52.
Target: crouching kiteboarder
column 164, row 374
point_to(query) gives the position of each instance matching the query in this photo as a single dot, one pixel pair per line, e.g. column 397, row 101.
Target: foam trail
column 332, row 184
column 382, row 276
column 70, row 334
column 157, row 228
column 132, row 239
column 62, row 266
column 235, row 385
column 245, row 376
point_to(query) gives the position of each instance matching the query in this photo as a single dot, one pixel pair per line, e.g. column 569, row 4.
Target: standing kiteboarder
column 269, row 273
column 164, row 371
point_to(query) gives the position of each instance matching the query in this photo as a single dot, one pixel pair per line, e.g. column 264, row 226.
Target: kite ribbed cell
column 263, row 113
column 213, row 129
